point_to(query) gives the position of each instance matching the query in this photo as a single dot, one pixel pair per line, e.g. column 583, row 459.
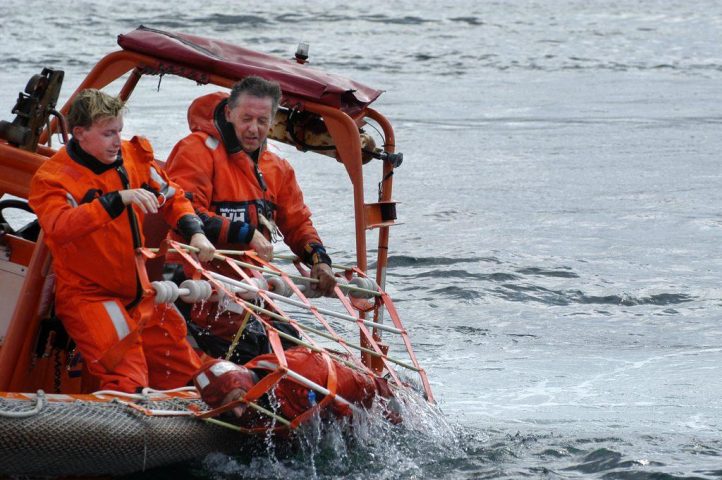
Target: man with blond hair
column 91, row 198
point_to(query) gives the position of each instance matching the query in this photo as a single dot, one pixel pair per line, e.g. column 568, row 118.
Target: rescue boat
column 52, row 419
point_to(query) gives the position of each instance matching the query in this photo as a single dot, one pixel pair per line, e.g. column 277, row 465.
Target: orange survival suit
column 229, row 189
column 219, row 377
column 92, row 236
column 294, row 399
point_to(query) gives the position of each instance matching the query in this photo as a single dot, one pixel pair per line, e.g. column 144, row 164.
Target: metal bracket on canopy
column 381, row 214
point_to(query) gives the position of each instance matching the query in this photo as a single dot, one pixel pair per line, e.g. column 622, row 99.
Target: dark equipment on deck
column 32, row 110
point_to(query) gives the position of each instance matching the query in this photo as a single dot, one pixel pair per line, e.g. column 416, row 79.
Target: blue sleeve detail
column 240, row 232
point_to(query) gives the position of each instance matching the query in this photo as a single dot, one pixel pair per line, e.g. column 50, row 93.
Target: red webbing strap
column 275, row 306
column 199, row 272
column 306, row 301
column 276, row 346
column 407, row 342
column 331, row 381
column 278, row 351
column 273, row 337
column 359, row 367
column 245, row 276
column 267, row 382
column 368, row 336
column 362, row 328
column 258, row 390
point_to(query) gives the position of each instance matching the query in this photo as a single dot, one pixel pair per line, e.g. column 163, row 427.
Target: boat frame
column 341, row 123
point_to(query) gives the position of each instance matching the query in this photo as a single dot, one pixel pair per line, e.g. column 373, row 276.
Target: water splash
column 365, row 446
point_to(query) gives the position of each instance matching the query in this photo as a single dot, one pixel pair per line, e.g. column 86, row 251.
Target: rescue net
column 243, row 283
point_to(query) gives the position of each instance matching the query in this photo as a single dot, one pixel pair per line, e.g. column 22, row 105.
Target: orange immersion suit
column 229, row 189
column 92, row 236
column 219, row 378
column 293, row 398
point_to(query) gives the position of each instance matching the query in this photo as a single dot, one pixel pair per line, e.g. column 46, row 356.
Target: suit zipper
column 135, row 231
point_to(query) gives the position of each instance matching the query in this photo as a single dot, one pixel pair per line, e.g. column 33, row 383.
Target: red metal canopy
column 296, row 80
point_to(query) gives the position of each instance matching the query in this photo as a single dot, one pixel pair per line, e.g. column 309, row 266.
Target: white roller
column 278, row 286
column 246, row 290
column 165, row 292
column 206, row 289
column 198, row 290
column 308, row 291
column 259, row 283
column 365, row 283
column 160, row 292
column 173, row 290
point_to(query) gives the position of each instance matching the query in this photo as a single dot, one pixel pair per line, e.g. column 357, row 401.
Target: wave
column 405, row 20
column 411, row 261
column 535, row 293
column 234, row 20
column 463, row 274
column 604, row 459
column 530, row 293
column 457, row 293
column 474, row 21
column 518, row 285
column 542, row 272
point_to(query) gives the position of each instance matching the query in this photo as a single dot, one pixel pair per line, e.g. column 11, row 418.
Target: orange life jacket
column 225, row 188
column 90, row 233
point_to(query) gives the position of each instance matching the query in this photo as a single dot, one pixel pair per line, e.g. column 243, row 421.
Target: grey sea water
column 558, row 265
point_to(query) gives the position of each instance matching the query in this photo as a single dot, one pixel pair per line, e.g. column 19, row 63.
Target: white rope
column 278, row 286
column 297, row 303
column 39, row 405
column 146, row 394
column 150, row 394
column 151, row 391
column 116, row 393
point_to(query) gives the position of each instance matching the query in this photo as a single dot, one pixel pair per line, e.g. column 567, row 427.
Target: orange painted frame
column 18, row 166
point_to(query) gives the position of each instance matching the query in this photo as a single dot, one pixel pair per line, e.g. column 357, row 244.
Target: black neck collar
column 228, row 134
column 88, row 161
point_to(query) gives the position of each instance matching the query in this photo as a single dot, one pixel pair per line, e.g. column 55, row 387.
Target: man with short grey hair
column 245, row 195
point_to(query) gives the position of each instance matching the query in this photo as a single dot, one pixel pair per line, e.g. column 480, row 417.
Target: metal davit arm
column 384, row 195
column 348, row 147
column 345, row 134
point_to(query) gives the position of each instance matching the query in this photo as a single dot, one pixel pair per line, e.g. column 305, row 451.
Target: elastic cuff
column 189, row 225
column 240, row 232
column 316, row 253
column 112, row 202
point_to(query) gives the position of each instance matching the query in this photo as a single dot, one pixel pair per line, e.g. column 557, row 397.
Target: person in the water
column 221, row 382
